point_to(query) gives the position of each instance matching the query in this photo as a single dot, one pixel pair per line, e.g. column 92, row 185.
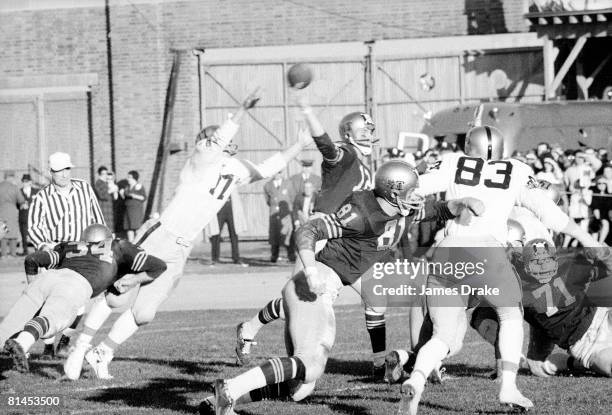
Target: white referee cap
column 60, row 161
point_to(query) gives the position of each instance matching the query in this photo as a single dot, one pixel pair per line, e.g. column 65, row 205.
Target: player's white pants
column 310, row 325
column 58, row 294
column 598, row 337
column 146, row 299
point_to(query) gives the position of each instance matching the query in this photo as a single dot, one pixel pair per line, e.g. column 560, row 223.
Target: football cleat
column 394, row 370
column 243, row 346
column 224, row 404
column 48, row 352
column 514, row 398
column 98, row 359
column 20, row 359
column 409, row 402
column 74, row 363
column 63, row 346
column 207, row 406
column 437, row 375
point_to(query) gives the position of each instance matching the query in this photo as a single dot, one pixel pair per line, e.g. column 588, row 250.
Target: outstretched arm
column 328, row 149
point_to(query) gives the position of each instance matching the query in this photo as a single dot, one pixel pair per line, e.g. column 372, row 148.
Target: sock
column 510, row 344
column 376, row 326
column 25, row 340
column 432, row 352
column 272, row 311
column 273, row 371
column 123, row 329
column 268, row 393
column 99, row 313
column 37, row 327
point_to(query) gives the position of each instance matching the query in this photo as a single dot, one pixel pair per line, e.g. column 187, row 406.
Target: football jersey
column 207, row 181
column 340, row 178
column 499, row 184
column 560, row 308
column 360, row 233
column 534, row 229
column 100, row 263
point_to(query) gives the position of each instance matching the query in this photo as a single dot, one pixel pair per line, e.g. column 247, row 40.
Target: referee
column 60, row 212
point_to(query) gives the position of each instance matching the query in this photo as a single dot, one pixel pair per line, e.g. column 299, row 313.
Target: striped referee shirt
column 55, row 217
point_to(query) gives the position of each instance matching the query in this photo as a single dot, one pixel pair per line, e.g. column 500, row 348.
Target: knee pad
column 144, row 315
column 302, row 391
column 452, row 333
column 315, row 364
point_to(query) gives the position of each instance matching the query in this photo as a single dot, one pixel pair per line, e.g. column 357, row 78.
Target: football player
column 205, row 183
column 343, row 171
column 500, row 184
column 77, row 272
column 560, row 306
column 359, row 234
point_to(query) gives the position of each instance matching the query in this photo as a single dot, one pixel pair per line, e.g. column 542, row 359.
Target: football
column 299, row 76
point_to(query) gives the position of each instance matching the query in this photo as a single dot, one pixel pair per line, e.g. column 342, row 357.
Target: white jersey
column 534, row 229
column 207, row 181
column 499, row 184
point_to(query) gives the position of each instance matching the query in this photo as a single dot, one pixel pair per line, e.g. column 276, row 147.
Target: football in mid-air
column 299, row 76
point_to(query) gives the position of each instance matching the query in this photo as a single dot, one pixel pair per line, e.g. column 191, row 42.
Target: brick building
column 55, row 75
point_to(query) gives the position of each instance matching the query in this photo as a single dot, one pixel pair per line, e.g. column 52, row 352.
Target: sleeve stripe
column 139, row 261
column 327, row 226
column 334, row 230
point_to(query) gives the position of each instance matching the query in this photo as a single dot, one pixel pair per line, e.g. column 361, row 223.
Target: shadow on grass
column 188, row 367
column 167, row 393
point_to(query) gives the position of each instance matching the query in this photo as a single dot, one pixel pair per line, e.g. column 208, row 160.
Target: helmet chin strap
column 365, row 150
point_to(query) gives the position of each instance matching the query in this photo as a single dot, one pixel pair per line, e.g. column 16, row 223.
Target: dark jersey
column 100, row 263
column 561, row 309
column 360, row 233
column 342, row 173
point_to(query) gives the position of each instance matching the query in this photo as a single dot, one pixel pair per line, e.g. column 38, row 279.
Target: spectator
column 303, row 205
column 135, row 197
column 306, row 176
column 599, row 224
column 542, row 149
column 10, row 200
column 28, row 192
column 60, row 212
column 279, row 194
column 106, row 192
column 581, row 172
column 607, row 176
column 232, row 214
column 534, row 162
column 552, row 172
column 3, row 229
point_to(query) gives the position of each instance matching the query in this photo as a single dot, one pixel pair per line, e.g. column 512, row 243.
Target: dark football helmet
column 357, row 128
column 485, row 142
column 395, row 181
column 208, row 134
column 540, row 260
column 96, row 233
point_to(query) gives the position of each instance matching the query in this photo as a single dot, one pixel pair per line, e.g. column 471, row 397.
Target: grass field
column 168, row 366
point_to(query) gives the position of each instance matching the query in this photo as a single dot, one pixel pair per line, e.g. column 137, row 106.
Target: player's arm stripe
column 335, row 231
column 327, row 226
column 139, row 261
